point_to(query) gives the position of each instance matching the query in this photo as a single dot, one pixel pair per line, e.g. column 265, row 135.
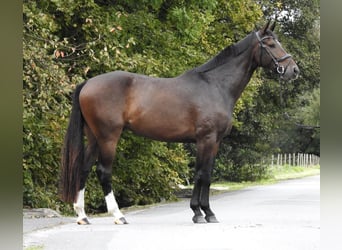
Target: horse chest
column 215, row 123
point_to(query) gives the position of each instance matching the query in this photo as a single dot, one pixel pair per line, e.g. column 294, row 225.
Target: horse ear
column 264, row 29
column 273, row 26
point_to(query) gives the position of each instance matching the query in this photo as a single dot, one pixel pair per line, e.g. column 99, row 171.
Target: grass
column 277, row 173
column 292, row 172
column 35, row 248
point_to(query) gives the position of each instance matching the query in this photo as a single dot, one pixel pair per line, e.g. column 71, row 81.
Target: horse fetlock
column 77, row 206
column 206, row 209
column 79, row 209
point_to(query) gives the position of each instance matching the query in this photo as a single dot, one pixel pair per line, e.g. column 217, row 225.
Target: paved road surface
column 275, row 217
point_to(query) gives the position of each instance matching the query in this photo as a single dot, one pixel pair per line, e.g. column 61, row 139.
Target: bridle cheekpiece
column 280, row 69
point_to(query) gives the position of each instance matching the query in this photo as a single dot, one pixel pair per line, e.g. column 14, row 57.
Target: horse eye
column 272, row 45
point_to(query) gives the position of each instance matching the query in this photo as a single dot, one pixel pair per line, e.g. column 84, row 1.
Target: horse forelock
column 271, row 34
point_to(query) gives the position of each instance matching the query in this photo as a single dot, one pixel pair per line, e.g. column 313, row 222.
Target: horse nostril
column 296, row 70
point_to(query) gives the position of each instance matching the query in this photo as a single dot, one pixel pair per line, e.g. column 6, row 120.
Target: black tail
column 73, row 152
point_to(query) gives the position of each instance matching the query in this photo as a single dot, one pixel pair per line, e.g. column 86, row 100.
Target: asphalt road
column 280, row 216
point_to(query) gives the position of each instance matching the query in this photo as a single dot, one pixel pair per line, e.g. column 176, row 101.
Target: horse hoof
column 120, row 221
column 83, row 221
column 211, row 219
column 198, row 219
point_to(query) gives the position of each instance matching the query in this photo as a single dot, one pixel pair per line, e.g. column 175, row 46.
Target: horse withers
column 196, row 106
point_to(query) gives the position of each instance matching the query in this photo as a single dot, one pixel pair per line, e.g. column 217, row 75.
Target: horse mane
column 225, row 55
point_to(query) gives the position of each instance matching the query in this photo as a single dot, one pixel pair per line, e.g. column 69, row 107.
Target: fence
column 299, row 159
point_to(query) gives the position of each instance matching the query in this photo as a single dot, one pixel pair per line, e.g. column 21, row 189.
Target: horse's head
column 270, row 54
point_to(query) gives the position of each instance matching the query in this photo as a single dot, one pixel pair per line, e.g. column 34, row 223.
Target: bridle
column 280, row 69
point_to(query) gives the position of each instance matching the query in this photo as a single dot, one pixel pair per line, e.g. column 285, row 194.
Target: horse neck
column 233, row 76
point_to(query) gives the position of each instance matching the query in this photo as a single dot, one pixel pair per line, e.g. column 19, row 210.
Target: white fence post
column 301, row 159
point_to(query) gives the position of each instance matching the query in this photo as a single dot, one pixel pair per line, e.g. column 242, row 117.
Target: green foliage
column 310, row 112
column 45, row 102
column 238, row 165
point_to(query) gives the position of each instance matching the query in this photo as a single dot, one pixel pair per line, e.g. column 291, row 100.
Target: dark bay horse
column 196, row 106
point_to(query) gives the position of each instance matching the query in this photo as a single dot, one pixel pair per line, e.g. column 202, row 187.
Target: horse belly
column 163, row 126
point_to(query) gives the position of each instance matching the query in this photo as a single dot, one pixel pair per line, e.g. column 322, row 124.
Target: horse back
column 152, row 107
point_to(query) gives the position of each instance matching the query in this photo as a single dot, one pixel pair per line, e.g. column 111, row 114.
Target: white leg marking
column 112, row 206
column 79, row 206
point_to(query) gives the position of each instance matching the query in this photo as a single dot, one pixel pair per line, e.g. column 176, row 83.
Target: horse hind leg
column 104, row 174
column 89, row 160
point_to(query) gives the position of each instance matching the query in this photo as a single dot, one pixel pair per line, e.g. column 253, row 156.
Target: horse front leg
column 204, row 198
column 206, row 152
column 195, row 199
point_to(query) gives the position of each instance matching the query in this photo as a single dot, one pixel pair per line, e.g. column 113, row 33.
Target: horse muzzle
column 289, row 72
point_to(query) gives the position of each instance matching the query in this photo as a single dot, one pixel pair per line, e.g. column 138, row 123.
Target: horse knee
column 205, row 178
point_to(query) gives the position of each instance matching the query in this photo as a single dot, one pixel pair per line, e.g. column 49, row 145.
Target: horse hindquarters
column 102, row 111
